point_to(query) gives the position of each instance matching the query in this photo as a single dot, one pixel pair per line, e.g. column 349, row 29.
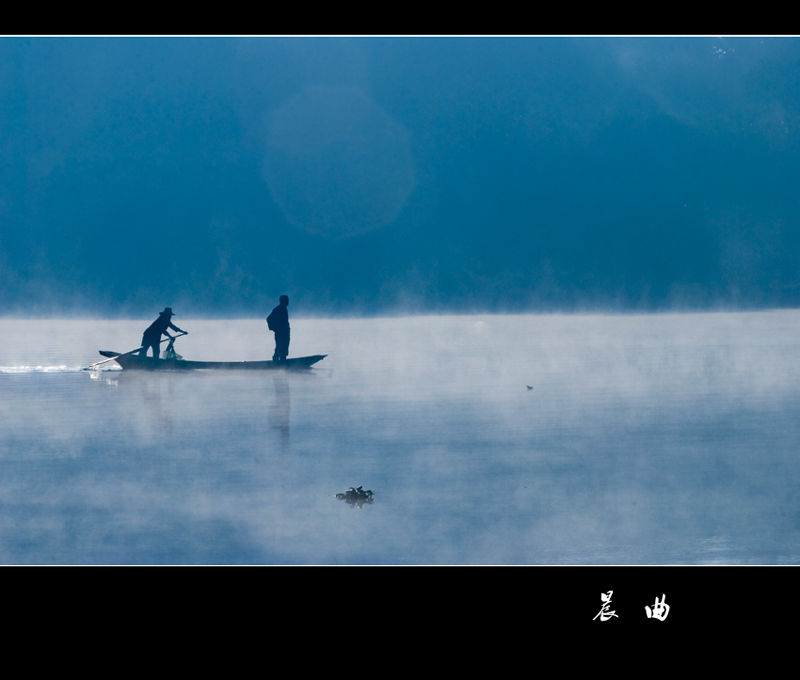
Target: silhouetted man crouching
column 152, row 336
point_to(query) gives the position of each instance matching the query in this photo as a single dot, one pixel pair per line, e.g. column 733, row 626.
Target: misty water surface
column 646, row 439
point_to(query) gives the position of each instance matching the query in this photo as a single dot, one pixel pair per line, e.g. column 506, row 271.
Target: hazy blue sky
column 395, row 174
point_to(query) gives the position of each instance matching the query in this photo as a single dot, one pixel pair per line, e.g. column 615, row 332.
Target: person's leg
column 147, row 342
column 146, row 346
column 281, row 347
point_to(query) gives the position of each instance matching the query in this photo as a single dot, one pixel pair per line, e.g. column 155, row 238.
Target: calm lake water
column 646, row 439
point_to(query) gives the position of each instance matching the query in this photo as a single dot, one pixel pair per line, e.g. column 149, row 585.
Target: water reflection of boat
column 137, row 363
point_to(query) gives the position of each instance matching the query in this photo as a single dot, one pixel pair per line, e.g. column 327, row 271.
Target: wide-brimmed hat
column 167, row 310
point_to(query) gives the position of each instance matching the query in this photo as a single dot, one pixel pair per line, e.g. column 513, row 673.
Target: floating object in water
column 530, row 387
column 355, row 496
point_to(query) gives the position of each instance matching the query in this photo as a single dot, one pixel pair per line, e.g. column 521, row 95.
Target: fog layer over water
column 648, row 439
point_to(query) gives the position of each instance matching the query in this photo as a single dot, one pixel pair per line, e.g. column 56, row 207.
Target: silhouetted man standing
column 278, row 321
column 152, row 336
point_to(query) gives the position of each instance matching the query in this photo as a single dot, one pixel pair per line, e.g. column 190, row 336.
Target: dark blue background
column 375, row 175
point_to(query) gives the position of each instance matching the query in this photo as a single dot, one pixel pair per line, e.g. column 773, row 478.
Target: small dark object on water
column 355, row 496
column 530, row 387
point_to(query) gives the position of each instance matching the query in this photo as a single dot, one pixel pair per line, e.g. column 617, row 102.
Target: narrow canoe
column 137, row 363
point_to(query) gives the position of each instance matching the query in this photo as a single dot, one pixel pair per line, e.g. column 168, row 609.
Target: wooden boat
column 134, row 362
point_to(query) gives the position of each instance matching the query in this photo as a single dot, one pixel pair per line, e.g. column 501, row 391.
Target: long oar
column 133, row 351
